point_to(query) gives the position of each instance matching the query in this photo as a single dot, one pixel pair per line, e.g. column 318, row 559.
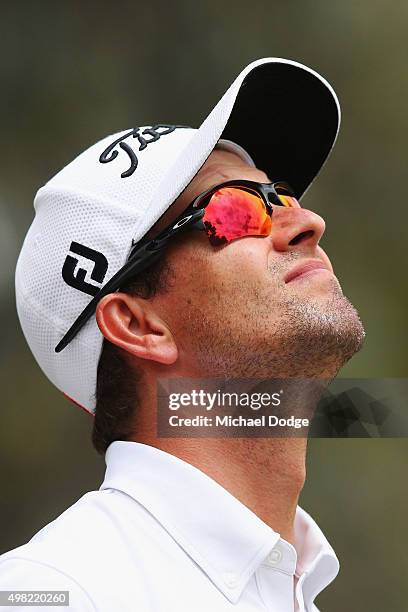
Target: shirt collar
column 226, row 539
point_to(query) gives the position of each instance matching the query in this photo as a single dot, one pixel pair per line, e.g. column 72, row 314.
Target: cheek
column 243, row 258
column 214, row 279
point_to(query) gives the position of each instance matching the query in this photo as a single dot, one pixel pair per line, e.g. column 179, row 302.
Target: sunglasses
column 226, row 212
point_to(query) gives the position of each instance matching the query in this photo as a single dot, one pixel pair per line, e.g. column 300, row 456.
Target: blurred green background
column 73, row 72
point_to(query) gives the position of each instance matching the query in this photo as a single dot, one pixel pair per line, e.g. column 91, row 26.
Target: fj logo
column 76, row 277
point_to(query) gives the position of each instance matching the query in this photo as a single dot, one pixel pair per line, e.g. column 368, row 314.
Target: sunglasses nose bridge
column 269, row 196
column 272, row 199
column 284, row 200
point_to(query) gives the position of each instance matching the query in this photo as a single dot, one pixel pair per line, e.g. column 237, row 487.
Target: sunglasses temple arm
column 140, row 259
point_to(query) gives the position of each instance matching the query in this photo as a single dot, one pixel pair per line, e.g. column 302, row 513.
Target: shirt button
column 230, row 579
column 274, row 557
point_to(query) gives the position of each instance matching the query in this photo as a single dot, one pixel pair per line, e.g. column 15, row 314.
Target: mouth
column 312, row 266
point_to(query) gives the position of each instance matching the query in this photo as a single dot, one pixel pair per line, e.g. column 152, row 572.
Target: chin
column 318, row 337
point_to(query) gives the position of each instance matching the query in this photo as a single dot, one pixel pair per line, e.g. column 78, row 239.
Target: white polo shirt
column 160, row 535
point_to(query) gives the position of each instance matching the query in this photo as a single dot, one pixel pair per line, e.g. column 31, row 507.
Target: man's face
column 240, row 310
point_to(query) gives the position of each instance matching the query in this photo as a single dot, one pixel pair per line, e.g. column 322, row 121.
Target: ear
column 130, row 322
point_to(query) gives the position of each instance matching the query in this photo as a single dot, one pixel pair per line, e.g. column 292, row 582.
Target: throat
column 265, row 474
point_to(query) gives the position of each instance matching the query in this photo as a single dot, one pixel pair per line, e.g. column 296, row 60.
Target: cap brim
column 284, row 114
column 287, row 118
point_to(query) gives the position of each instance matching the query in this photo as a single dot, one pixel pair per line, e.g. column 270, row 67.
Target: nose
column 295, row 227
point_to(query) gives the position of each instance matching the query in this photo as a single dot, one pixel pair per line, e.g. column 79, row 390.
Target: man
column 187, row 523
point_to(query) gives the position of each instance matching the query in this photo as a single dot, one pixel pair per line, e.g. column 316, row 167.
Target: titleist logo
column 144, row 138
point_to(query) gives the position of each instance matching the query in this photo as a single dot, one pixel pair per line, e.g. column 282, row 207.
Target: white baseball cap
column 278, row 115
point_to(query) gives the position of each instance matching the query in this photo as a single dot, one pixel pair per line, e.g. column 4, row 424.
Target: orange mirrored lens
column 234, row 213
column 288, row 201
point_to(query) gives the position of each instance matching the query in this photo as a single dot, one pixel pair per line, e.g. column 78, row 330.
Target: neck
column 265, row 474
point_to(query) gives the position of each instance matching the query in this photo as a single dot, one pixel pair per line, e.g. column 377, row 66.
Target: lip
column 312, row 265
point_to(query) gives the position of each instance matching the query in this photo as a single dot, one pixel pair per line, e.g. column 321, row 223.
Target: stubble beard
column 290, row 336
